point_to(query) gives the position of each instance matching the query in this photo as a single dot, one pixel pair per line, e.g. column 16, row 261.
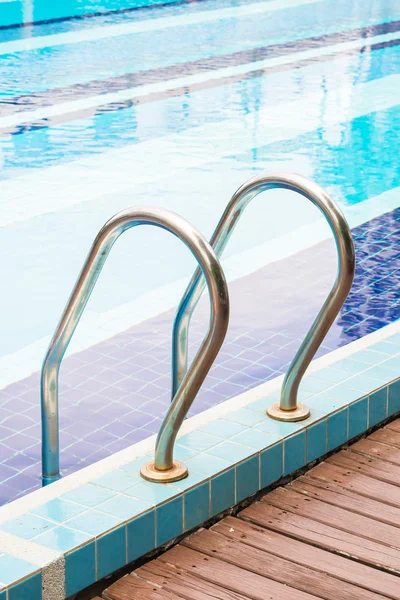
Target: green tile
column 253, row 438
column 28, row 589
column 358, row 417
column 316, row 440
column 198, row 441
column 169, row 521
column 294, row 452
column 89, row 495
column 378, row 406
column 231, row 452
column 247, row 478
column 338, row 429
column 124, row 508
column 141, row 535
column 196, row 504
column 245, row 417
column 27, row 526
column 222, row 428
column 222, row 491
column 62, row 539
column 59, row 510
column 271, row 464
column 111, row 552
column 80, row 569
column 394, row 398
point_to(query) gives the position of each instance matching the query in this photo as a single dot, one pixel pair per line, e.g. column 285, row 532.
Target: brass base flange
column 150, row 473
column 300, row 413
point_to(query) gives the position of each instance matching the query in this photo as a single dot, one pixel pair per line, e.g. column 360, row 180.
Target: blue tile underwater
column 266, row 348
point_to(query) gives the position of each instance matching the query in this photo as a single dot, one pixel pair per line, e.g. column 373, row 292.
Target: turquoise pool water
column 177, row 104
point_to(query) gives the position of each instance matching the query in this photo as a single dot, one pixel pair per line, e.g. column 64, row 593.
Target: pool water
column 177, row 104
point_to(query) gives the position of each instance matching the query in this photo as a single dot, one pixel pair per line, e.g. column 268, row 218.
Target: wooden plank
column 279, row 569
column 375, row 449
column 357, row 482
column 395, row 425
column 386, row 436
column 337, row 496
column 366, row 528
column 323, row 536
column 184, row 584
column 373, row 467
column 129, row 588
column 300, row 553
column 231, row 577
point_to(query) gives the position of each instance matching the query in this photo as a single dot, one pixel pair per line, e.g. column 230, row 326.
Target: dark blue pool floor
column 116, row 393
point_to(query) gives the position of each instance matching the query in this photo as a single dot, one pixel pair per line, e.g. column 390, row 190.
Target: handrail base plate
column 150, row 473
column 300, row 413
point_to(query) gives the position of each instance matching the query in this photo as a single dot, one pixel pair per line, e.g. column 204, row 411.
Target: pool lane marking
column 96, row 327
column 75, row 107
column 90, row 177
column 58, row 95
column 148, row 25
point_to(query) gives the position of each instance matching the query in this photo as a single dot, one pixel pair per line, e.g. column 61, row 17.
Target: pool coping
column 60, row 539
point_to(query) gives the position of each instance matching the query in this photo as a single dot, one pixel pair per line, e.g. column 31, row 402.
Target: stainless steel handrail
column 288, row 408
column 164, row 467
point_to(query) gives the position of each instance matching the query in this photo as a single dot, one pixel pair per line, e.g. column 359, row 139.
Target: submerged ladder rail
column 163, row 468
column 288, row 409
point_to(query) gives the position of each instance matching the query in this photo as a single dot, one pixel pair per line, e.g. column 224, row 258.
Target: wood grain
column 375, row 449
column 264, row 563
column 395, row 425
column 338, row 496
column 331, row 534
column 373, row 467
column 301, row 553
column 340, row 518
column 184, row 584
column 386, row 436
column 231, row 577
column 323, row 536
column 357, row 482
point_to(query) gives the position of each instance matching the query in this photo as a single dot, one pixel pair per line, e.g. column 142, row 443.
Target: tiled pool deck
column 116, row 393
column 93, row 522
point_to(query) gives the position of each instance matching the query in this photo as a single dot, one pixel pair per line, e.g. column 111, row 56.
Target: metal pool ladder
column 288, row 409
column 164, row 468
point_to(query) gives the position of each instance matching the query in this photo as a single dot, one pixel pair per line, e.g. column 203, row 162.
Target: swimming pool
column 104, row 112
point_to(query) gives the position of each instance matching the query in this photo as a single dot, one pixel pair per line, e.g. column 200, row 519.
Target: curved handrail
column 219, row 302
column 331, row 306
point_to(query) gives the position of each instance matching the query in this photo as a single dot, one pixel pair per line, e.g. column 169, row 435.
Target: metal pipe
column 219, row 302
column 345, row 274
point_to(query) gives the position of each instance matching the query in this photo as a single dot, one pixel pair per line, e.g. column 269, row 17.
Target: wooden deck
column 333, row 533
